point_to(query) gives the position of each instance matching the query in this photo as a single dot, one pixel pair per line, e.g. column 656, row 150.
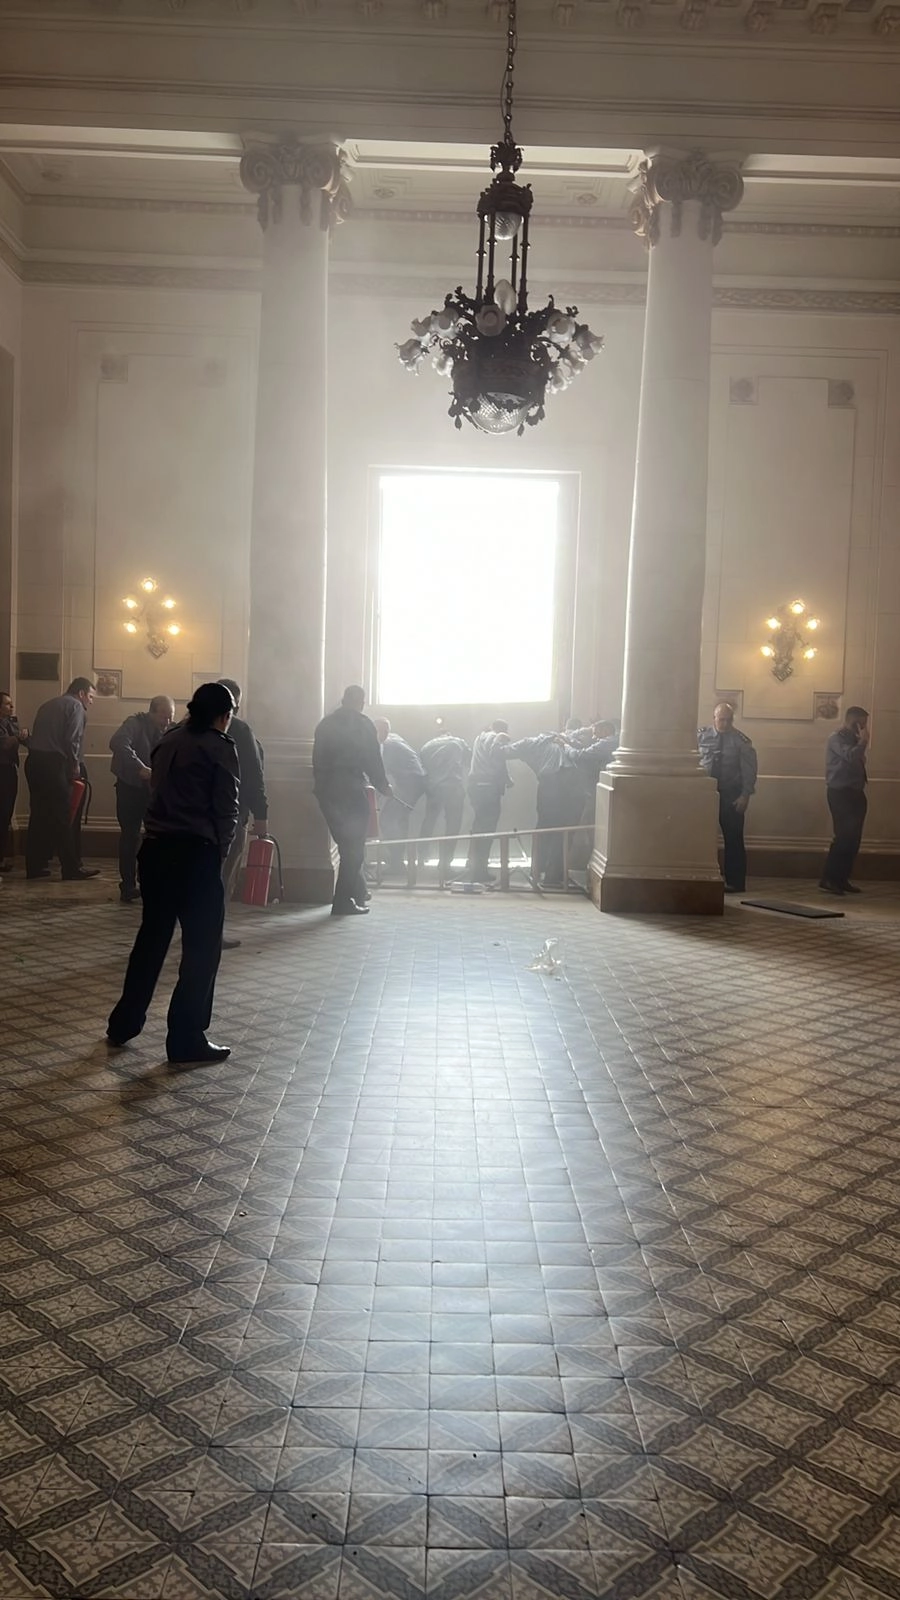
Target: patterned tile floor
column 458, row 1280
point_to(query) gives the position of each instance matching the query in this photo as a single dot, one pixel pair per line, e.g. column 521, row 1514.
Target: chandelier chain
column 508, row 79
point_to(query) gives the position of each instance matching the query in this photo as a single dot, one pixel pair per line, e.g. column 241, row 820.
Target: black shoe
column 852, row 888
column 730, row 889
column 81, row 875
column 351, row 910
column 115, row 1043
column 32, row 876
column 231, row 944
column 831, row 888
column 205, row 1052
column 129, row 897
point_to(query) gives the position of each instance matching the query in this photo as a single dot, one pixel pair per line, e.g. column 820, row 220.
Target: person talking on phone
column 845, row 791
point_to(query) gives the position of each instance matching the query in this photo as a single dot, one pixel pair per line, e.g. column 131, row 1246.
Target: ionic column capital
column 317, row 172
column 671, row 180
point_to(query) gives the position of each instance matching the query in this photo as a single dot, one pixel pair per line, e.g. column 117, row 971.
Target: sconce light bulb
column 773, row 623
column 131, row 604
column 797, row 607
column 131, row 627
column 173, row 629
column 148, row 585
column 169, row 605
column 812, row 622
column 809, row 653
column 767, row 650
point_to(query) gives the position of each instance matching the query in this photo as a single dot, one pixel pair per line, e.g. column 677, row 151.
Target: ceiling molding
column 623, row 293
column 758, row 27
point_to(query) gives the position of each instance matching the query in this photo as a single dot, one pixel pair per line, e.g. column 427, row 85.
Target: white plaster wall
column 151, row 463
column 809, row 507
column 136, row 461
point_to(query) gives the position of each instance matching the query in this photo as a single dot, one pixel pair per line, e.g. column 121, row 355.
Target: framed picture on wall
column 109, row 683
column 211, row 676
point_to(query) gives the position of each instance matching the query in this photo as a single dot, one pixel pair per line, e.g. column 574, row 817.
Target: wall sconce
column 145, row 614
column 787, row 639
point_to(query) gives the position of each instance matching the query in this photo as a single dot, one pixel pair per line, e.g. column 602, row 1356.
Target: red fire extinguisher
column 263, row 859
column 79, row 788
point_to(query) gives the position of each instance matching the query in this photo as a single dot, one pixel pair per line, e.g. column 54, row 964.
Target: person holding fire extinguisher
column 254, row 802
column 54, row 764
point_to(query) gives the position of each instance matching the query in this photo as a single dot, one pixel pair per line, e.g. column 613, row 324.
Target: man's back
column 445, row 758
column 59, row 727
column 346, row 751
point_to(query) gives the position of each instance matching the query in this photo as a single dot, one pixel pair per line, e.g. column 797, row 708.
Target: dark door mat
column 789, row 910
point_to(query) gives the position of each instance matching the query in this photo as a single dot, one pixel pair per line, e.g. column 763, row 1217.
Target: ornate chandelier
column 502, row 357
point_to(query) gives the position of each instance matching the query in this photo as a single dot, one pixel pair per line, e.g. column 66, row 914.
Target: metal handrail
column 503, row 839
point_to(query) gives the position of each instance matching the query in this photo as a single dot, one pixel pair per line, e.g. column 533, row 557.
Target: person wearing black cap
column 189, row 828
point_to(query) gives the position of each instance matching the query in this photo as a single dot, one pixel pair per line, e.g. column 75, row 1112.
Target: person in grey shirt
column 254, row 800
column 845, row 791
column 12, row 739
column 560, row 799
column 54, row 762
column 728, row 755
column 132, row 745
column 189, row 826
column 488, row 782
column 446, row 760
column 406, row 776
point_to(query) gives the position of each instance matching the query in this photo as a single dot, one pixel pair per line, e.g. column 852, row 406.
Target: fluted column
column 656, row 836
column 301, row 194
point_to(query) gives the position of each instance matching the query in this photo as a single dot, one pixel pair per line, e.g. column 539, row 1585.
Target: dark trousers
column 131, row 804
column 734, row 853
column 49, row 825
column 486, row 800
column 848, row 809
column 560, row 799
column 393, row 824
column 347, row 813
column 445, row 799
column 9, row 788
column 181, row 882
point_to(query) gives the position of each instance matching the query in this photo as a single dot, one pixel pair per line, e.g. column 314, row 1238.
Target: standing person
column 845, row 791
column 560, row 799
column 488, row 782
column 406, row 776
column 132, row 746
column 728, row 755
column 254, row 801
column 12, row 738
column 446, row 760
column 347, row 757
column 54, row 762
column 189, row 826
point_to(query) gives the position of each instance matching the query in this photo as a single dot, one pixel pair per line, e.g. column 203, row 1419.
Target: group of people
column 186, row 795
column 185, row 798
column 351, row 754
column 727, row 754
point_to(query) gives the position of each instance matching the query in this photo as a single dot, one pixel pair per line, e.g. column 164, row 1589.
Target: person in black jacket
column 347, row 756
column 254, row 802
column 189, row 828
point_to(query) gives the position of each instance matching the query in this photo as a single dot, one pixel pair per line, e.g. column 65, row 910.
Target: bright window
column 466, row 588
